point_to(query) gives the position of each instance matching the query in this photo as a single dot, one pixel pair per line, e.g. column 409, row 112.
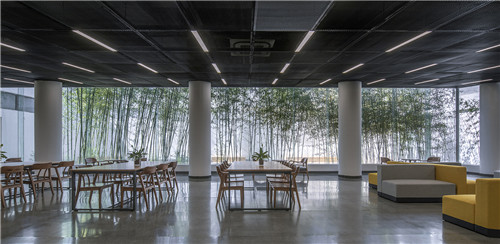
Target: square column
column 199, row 129
column 48, row 121
column 489, row 127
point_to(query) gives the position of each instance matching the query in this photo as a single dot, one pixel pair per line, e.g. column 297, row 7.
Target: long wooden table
column 121, row 168
column 269, row 167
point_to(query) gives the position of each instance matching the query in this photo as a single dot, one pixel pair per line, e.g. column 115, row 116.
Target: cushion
column 471, row 186
column 460, row 206
column 372, row 178
column 417, row 188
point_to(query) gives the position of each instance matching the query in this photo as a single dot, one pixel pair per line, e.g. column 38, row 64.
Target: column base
column 200, row 178
column 350, row 176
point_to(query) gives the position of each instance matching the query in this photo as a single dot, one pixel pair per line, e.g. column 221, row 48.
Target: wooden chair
column 162, row 178
column 285, row 186
column 303, row 166
column 39, row 174
column 384, row 160
column 434, row 159
column 91, row 161
column 13, row 179
column 85, row 183
column 224, row 186
column 172, row 175
column 62, row 171
column 146, row 185
column 13, row 160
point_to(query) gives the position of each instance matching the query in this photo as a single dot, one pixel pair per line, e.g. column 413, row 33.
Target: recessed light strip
column 173, row 81
column 274, row 81
column 376, row 81
column 421, row 68
column 200, row 41
column 216, row 68
column 9, row 46
column 304, row 41
column 72, row 81
column 284, row 68
column 94, row 40
column 122, row 81
column 150, row 69
column 355, row 67
column 78, row 67
column 224, row 81
column 406, row 42
column 21, row 81
column 325, row 81
column 12, row 68
column 474, row 71
column 488, row 48
column 425, row 81
column 478, row 81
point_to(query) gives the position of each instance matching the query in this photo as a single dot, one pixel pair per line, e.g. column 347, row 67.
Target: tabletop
column 253, row 167
column 121, row 167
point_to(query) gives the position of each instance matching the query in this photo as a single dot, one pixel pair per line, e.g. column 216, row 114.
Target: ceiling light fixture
column 78, row 67
column 406, row 42
column 474, row 71
column 478, row 81
column 21, row 81
column 376, row 81
column 72, row 81
column 355, row 67
column 417, row 69
column 200, row 41
column 173, row 81
column 94, row 40
column 216, row 68
column 425, row 81
column 325, row 81
column 224, row 81
column 122, row 81
column 488, row 48
column 12, row 68
column 304, row 41
column 275, row 80
column 284, row 68
column 9, row 46
column 150, row 69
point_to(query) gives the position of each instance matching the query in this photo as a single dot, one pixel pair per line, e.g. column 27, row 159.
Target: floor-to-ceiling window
column 469, row 125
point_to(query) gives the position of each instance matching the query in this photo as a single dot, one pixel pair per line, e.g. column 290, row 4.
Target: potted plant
column 136, row 155
column 2, row 153
column 260, row 155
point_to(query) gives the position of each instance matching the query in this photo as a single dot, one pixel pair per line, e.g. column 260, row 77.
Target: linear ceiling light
column 284, row 68
column 200, row 41
column 421, row 68
column 355, row 67
column 21, row 81
column 474, row 71
column 72, row 81
column 275, row 80
column 78, row 67
column 376, row 81
column 488, row 48
column 122, row 81
column 478, row 81
column 94, row 40
column 173, row 81
column 224, row 81
column 406, row 42
column 325, row 81
column 150, row 69
column 304, row 41
column 9, row 46
column 425, row 81
column 12, row 68
column 216, row 68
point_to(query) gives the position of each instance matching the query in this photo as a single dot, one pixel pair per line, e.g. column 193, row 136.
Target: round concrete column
column 199, row 129
column 489, row 127
column 350, row 129
column 48, row 121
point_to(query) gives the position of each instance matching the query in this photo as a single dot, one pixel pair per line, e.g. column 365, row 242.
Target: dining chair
column 62, row 171
column 91, row 161
column 434, row 159
column 225, row 185
column 303, row 167
column 384, row 160
column 162, row 178
column 12, row 179
column 39, row 174
column 285, row 187
column 13, row 160
column 145, row 185
column 86, row 183
column 172, row 175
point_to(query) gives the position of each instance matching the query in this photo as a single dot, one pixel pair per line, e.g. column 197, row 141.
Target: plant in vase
column 260, row 155
column 2, row 153
column 136, row 155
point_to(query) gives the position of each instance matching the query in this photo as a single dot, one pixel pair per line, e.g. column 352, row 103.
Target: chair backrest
column 162, row 167
column 12, row 160
column 44, row 169
column 434, row 159
column 42, row 166
column 90, row 160
column 66, row 164
column 12, row 174
column 384, row 160
column 304, row 160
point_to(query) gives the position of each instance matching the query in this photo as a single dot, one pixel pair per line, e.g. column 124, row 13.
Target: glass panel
column 469, row 125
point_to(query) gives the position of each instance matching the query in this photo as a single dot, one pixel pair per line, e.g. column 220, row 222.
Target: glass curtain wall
column 469, row 125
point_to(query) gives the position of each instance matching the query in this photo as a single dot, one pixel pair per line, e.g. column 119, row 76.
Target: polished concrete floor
column 333, row 211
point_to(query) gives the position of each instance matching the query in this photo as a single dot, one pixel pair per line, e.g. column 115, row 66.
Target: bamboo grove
column 289, row 123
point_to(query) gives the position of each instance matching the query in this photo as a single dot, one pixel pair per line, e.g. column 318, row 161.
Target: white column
column 489, row 127
column 48, row 121
column 350, row 129
column 199, row 129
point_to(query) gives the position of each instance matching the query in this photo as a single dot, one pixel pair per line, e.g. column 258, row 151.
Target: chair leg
column 242, row 196
column 51, row 188
column 60, row 185
column 24, row 194
column 146, row 200
column 298, row 201
column 218, row 197
column 100, row 202
column 4, row 204
column 274, row 198
column 122, row 193
column 154, row 193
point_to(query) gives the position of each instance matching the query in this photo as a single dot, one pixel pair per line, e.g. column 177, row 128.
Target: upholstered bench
column 372, row 180
column 496, row 174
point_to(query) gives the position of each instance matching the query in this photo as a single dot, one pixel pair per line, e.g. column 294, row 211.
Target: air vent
column 245, row 44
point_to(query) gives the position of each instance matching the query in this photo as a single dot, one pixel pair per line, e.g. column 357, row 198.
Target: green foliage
column 260, row 155
column 137, row 155
column 2, row 153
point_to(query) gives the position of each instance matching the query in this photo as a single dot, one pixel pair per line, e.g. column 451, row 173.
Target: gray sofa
column 411, row 183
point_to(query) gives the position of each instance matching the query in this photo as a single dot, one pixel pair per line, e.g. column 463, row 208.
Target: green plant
column 2, row 152
column 136, row 155
column 260, row 155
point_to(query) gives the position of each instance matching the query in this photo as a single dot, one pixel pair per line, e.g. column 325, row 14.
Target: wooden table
column 271, row 167
column 122, row 168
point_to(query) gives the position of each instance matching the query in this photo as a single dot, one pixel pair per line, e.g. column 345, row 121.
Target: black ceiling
column 158, row 34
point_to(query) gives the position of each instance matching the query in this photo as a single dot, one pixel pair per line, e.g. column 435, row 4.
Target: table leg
column 229, row 185
column 134, row 192
column 72, row 185
column 290, row 203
